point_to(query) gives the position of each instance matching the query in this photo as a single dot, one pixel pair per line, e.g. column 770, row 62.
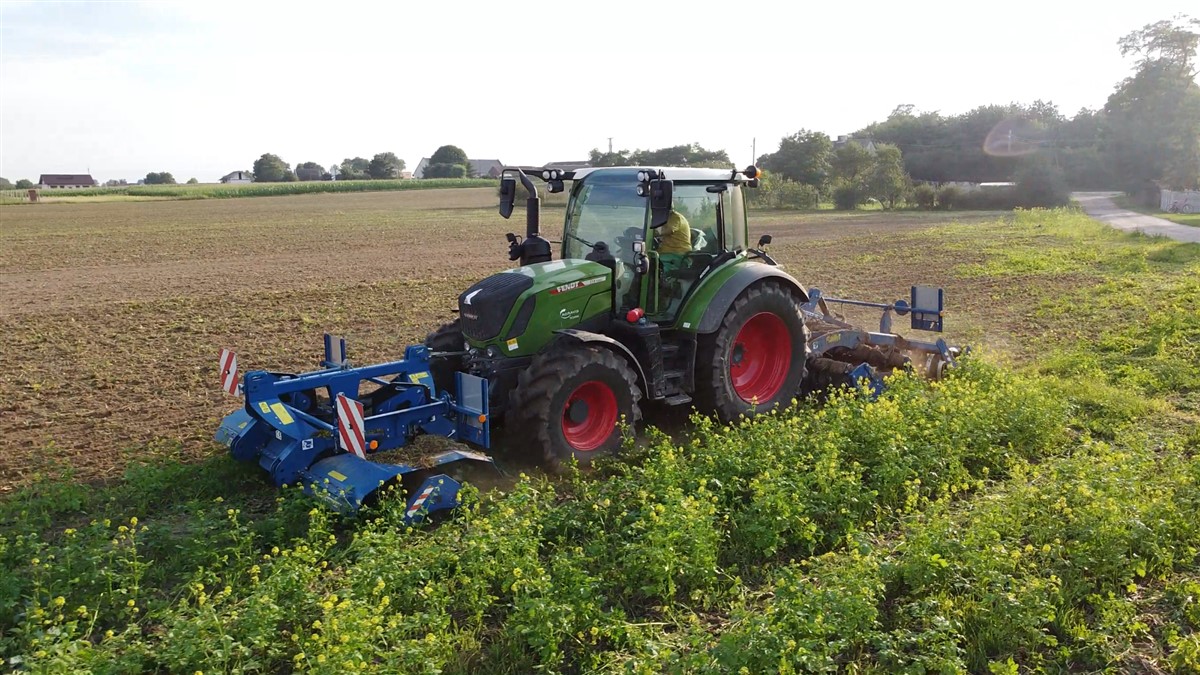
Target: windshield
column 609, row 212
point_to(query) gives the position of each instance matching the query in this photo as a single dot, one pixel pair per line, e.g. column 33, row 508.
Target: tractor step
column 677, row 399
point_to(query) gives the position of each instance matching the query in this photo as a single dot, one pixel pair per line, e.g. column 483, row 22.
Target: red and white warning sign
column 351, row 427
column 419, row 501
column 229, row 372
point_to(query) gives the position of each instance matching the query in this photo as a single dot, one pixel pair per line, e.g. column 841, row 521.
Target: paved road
column 1100, row 206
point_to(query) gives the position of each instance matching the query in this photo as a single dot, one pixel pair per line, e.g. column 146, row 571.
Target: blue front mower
column 325, row 429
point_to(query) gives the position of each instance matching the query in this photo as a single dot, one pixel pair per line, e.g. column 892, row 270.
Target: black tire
column 542, row 408
column 720, row 353
column 447, row 338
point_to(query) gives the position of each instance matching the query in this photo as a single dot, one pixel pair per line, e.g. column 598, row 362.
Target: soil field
column 114, row 313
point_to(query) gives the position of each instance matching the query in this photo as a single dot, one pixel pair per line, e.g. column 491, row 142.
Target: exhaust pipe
column 534, row 249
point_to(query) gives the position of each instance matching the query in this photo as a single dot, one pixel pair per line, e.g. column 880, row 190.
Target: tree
column 851, row 162
column 385, row 165
column 597, row 158
column 449, row 154
column 353, row 169
column 24, row 184
column 887, row 181
column 6, row 184
column 160, row 178
column 192, row 181
column 802, row 157
column 1154, row 116
column 271, row 169
column 692, row 154
column 1167, row 44
column 1040, row 183
column 444, row 159
column 309, row 171
column 445, row 171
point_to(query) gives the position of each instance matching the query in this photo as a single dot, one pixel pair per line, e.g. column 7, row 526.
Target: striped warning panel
column 419, row 501
column 229, row 372
column 351, row 427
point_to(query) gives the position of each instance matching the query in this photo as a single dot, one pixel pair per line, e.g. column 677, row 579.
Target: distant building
column 238, row 177
column 864, row 143
column 61, row 181
column 486, row 168
column 480, row 168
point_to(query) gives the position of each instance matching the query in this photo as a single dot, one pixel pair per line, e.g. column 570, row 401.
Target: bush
column 793, row 195
column 847, row 196
column 948, row 197
column 924, row 196
column 445, row 171
column 1041, row 184
column 994, row 199
column 774, row 192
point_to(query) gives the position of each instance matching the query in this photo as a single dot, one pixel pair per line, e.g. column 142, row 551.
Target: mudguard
column 590, row 337
column 743, row 278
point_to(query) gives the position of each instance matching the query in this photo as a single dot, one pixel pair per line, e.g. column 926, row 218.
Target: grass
column 1033, row 515
column 226, row 191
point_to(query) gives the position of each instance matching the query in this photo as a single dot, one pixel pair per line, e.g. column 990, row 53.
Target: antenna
column 610, row 145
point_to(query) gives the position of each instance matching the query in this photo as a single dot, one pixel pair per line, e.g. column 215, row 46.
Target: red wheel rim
column 589, row 415
column 760, row 357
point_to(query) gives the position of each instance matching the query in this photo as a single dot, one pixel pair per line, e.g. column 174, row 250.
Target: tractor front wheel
column 757, row 358
column 447, row 338
column 574, row 400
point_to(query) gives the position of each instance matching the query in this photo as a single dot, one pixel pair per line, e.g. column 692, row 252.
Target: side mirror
column 764, row 240
column 661, row 200
column 508, row 195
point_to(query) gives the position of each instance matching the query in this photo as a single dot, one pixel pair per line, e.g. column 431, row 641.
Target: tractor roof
column 668, row 172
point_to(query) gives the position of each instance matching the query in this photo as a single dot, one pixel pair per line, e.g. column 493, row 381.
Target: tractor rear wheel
column 447, row 338
column 757, row 359
column 573, row 399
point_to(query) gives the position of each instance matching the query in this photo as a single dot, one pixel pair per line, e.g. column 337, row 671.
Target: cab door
column 676, row 262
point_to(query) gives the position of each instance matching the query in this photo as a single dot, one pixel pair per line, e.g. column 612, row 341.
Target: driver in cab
column 675, row 235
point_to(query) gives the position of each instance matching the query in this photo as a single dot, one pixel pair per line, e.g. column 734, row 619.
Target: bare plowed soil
column 113, row 314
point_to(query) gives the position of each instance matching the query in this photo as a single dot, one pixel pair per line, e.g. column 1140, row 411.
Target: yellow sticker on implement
column 262, row 405
column 512, row 344
column 282, row 413
column 337, row 475
column 416, row 378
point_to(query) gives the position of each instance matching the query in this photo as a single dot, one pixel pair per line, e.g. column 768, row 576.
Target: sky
column 199, row 89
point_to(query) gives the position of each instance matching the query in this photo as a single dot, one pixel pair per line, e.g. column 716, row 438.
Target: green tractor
column 572, row 347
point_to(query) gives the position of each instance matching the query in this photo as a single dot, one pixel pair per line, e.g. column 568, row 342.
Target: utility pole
column 754, row 150
column 610, row 145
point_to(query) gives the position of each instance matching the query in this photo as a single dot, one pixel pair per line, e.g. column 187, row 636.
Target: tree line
column 271, row 168
column 1146, row 135
column 447, row 161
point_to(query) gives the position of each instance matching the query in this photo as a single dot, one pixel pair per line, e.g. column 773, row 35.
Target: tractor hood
column 539, row 298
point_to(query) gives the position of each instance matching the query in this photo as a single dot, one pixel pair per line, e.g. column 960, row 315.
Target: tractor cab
column 660, row 230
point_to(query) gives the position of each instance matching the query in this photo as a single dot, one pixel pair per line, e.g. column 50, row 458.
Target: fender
column 590, row 337
column 743, row 278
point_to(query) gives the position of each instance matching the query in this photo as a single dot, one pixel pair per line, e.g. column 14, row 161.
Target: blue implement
column 291, row 427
